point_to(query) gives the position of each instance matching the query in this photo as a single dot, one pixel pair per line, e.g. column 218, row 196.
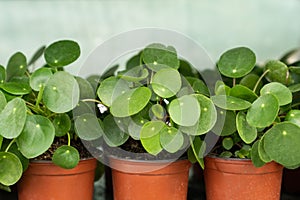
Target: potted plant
column 154, row 115
column 259, row 133
column 37, row 137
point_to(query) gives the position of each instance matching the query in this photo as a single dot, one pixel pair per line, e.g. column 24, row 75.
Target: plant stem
column 233, row 82
column 69, row 139
column 259, row 80
column 7, row 148
column 91, row 100
column 39, row 97
column 200, row 161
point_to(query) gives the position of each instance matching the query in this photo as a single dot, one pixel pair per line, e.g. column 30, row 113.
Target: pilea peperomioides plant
column 256, row 104
column 157, row 104
column 35, row 108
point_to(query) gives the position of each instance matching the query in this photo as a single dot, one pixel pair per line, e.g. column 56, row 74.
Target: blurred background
column 269, row 27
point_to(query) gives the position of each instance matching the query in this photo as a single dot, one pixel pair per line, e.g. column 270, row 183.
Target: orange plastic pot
column 135, row 180
column 236, row 179
column 46, row 181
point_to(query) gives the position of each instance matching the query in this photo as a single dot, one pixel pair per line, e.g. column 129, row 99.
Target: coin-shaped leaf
column 135, row 74
column 166, row 82
column 66, row 157
column 227, row 143
column 2, row 101
column 62, row 124
column 226, row 123
column 39, row 78
column 61, row 92
column 185, row 111
column 282, row 143
column 247, row 133
column 36, row 137
column 262, row 152
column 87, row 127
column 131, row 102
column 230, row 103
column 12, row 118
column 62, row 53
column 11, row 168
column 17, row 65
column 171, row 139
column 250, row 81
column 16, row 88
column 293, row 116
column 85, row 88
column 135, row 125
column 256, row 160
column 280, row 91
column 243, row 92
column 263, row 111
column 277, row 72
column 237, row 62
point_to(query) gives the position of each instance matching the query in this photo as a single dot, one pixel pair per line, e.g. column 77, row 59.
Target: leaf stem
column 69, row 139
column 9, row 145
column 39, row 97
column 259, row 80
column 91, row 100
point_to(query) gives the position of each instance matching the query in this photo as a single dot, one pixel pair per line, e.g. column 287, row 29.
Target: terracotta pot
column 46, row 181
column 135, row 180
column 235, row 179
column 290, row 181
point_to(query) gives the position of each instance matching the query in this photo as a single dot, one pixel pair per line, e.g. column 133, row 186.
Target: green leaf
column 293, row 116
column 61, row 92
column 221, row 88
column 198, row 147
column 294, row 88
column 2, row 74
column 237, row 62
column 85, row 88
column 113, row 135
column 131, row 102
column 184, row 111
column 135, row 74
column 157, row 56
column 39, row 78
column 226, row 123
column 242, row 92
column 15, row 150
column 134, row 61
column 37, row 55
column 2, row 101
column 150, row 136
column 171, row 139
column 282, row 143
column 230, row 103
column 17, row 65
column 62, row 53
column 247, row 133
column 12, row 118
column 62, row 124
column 11, row 168
column 87, row 127
column 227, row 143
column 36, row 137
column 207, row 120
column 166, row 82
column 263, row 111
column 16, row 88
column 111, row 88
column 256, row 160
column 262, row 152
column 226, row 154
column 250, row 81
column 187, row 70
column 198, row 86
column 66, row 157
column 278, row 72
column 280, row 91
column 157, row 111
column 135, row 126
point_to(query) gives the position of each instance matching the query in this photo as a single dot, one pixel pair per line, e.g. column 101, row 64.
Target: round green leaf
column 62, row 124
column 237, row 62
column 294, row 88
column 280, row 91
column 66, row 157
column 36, row 137
column 87, row 127
column 256, row 160
column 185, row 111
column 39, row 78
column 157, row 111
column 2, row 101
column 262, row 152
column 250, row 81
column 135, row 126
column 131, row 102
column 85, row 88
column 62, row 53
column 282, row 143
column 11, row 168
column 221, row 88
column 113, row 135
column 157, row 56
column 133, row 61
column 15, row 150
column 135, row 74
column 12, row 118
column 150, row 136
column 2, row 74
column 171, row 139
column 17, row 65
column 226, row 123
column 111, row 88
column 225, row 154
column 227, row 143
column 198, row 86
column 293, row 116
column 207, row 120
column 16, row 88
column 230, row 103
column 61, row 92
column 166, row 82
column 277, row 72
column 263, row 111
column 247, row 133
column 243, row 92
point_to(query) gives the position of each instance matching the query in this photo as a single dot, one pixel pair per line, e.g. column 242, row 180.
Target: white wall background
column 269, row 27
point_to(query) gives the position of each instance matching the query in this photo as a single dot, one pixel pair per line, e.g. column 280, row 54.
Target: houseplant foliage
column 262, row 119
column 36, row 107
